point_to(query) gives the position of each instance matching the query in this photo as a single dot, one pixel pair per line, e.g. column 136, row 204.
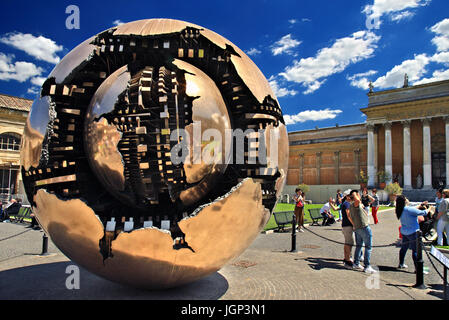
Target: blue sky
column 319, row 56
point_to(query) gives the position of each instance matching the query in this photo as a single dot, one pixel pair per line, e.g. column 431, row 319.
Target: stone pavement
column 266, row 271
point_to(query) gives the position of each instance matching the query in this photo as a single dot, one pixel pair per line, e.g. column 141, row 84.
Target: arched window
column 10, row 141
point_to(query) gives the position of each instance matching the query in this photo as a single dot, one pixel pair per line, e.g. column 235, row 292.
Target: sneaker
column 357, row 267
column 348, row 265
column 403, row 266
column 370, row 269
column 301, row 230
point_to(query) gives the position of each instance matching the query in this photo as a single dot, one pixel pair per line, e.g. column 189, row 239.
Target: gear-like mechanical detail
column 102, row 141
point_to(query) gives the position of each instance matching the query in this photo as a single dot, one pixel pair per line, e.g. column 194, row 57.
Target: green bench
column 24, row 213
column 283, row 218
column 315, row 215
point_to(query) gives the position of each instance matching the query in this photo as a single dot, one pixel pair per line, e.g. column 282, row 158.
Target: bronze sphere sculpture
column 112, row 171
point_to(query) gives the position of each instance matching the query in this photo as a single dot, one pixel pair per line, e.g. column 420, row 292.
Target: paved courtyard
column 266, row 271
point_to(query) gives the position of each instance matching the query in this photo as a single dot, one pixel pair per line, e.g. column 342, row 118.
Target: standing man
column 348, row 230
column 363, row 233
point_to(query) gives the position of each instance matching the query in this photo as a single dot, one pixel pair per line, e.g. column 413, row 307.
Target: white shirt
column 326, row 208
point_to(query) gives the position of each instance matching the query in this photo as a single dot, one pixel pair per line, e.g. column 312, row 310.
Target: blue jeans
column 408, row 242
column 363, row 236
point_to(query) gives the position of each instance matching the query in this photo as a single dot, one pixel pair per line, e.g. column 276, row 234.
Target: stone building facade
column 406, row 134
column 13, row 115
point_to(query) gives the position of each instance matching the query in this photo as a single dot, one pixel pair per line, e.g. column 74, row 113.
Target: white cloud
column 253, row 52
column 285, row 45
column 442, row 38
column 438, row 75
column 38, row 81
column 442, row 57
column 40, row 47
column 306, row 20
column 311, row 115
column 292, row 21
column 311, row 72
column 395, row 9
column 33, row 91
column 402, row 15
column 19, row 71
column 117, row 22
column 314, row 86
column 360, row 80
column 414, row 68
column 278, row 91
column 364, row 74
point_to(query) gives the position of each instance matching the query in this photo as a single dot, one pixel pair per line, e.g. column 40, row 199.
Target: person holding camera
column 328, row 217
column 409, row 217
column 363, row 233
column 443, row 217
column 299, row 209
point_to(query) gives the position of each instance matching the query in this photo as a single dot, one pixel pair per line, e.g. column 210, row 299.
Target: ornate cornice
column 406, row 123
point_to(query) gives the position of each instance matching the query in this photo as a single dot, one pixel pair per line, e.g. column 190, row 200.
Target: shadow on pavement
column 321, row 263
column 392, row 269
column 436, row 290
column 48, row 281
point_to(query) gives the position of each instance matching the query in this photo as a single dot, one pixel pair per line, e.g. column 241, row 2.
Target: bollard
column 294, row 234
column 419, row 263
column 44, row 245
column 445, row 283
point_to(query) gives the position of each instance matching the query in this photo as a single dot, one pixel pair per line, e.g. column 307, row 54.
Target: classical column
column 388, row 152
column 371, row 157
column 357, row 161
column 407, row 156
column 301, row 168
column 447, row 151
column 427, row 154
column 337, row 167
column 376, row 154
column 318, row 167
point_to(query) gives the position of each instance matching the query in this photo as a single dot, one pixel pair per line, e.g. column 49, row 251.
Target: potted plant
column 394, row 190
column 362, row 179
column 383, row 177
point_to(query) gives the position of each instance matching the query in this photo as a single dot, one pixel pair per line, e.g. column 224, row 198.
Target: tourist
column 438, row 199
column 366, row 200
column 363, row 233
column 299, row 199
column 12, row 209
column 443, row 218
column 409, row 227
column 347, row 229
column 328, row 217
column 339, row 199
column 375, row 206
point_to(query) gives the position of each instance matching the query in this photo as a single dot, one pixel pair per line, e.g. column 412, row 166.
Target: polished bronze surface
column 155, row 154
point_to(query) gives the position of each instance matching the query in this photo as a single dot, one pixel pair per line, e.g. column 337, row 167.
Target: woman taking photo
column 409, row 227
column 299, row 209
column 443, row 217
